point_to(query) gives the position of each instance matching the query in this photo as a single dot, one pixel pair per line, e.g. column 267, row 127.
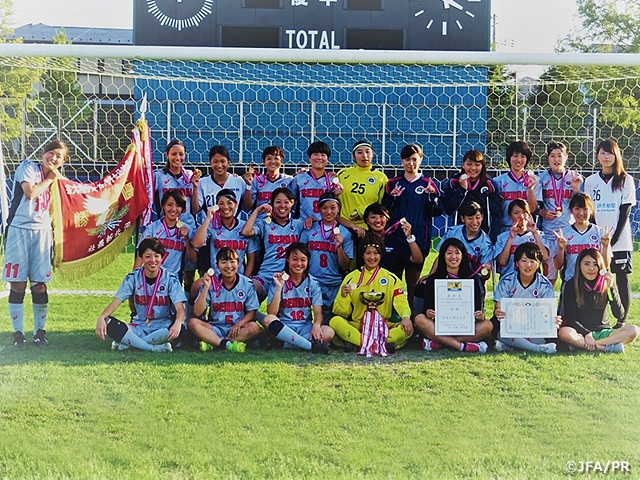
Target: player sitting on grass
column 525, row 282
column 295, row 304
column 232, row 302
column 451, row 264
column 158, row 301
column 29, row 241
column 584, row 308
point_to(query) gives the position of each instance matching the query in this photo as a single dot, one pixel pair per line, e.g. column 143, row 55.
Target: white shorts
column 27, row 255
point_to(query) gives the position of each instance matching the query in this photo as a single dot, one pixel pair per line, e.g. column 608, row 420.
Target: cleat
column 237, row 347
column 391, row 347
column 502, row 347
column 614, row 348
column 430, row 345
column 163, row 348
column 18, row 339
column 319, row 347
column 204, row 346
column 40, row 338
column 349, row 347
column 119, row 346
column 548, row 348
column 473, row 347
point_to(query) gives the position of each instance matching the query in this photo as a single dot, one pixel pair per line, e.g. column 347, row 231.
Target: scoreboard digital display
column 449, row 25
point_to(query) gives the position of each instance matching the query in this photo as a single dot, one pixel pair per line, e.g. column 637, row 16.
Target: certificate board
column 454, row 304
column 529, row 318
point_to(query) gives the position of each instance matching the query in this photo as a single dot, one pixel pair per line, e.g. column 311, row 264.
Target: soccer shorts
column 142, row 329
column 604, row 333
column 220, row 330
column 27, row 255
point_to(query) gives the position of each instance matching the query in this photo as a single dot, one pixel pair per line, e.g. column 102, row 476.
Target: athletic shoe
column 548, row 348
column 391, row 347
column 319, row 347
column 119, row 346
column 473, row 347
column 237, row 347
column 349, row 347
column 40, row 338
column 205, row 347
column 614, row 348
column 502, row 347
column 18, row 339
column 430, row 345
column 620, row 324
column 163, row 348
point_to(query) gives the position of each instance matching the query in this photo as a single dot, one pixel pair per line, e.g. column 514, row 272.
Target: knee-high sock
column 284, row 333
column 345, row 330
column 397, row 336
column 39, row 316
column 157, row 337
column 523, row 343
column 624, row 290
column 135, row 341
column 16, row 312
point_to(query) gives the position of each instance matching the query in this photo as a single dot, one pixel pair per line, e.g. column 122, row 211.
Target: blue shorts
column 27, row 255
column 220, row 330
column 265, row 281
column 142, row 329
column 302, row 328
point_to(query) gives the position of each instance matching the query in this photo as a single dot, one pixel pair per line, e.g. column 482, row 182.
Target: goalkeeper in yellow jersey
column 363, row 184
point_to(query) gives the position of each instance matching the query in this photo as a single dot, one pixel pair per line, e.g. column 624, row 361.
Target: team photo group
column 343, row 260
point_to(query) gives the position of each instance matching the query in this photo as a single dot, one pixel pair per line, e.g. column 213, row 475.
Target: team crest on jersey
column 476, row 249
column 283, row 185
column 535, row 293
column 420, row 190
column 383, row 281
column 162, row 288
column 306, row 290
column 273, row 228
column 371, row 180
column 594, row 237
column 567, row 183
column 241, row 294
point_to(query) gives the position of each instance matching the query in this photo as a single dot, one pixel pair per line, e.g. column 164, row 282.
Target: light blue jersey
column 165, row 181
column 323, row 264
column 151, row 301
column 228, row 306
column 576, row 243
column 274, row 240
column 172, row 241
column 297, row 301
column 262, row 187
column 231, row 237
column 509, row 286
column 29, row 214
column 511, row 188
column 479, row 249
column 555, row 192
column 306, row 189
column 526, row 237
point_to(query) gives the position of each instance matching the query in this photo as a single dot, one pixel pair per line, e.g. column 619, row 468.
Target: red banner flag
column 93, row 222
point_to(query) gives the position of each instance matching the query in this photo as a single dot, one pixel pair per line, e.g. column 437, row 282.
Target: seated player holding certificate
column 525, row 282
column 584, row 302
column 295, row 304
column 158, row 302
column 232, row 302
column 348, row 308
column 451, row 263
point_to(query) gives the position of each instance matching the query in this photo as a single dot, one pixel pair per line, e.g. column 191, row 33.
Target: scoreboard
column 450, row 25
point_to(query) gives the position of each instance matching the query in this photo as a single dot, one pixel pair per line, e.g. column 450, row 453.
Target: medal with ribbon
column 149, row 301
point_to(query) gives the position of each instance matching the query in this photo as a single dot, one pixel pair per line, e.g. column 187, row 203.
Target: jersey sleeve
column 501, row 290
column 347, row 242
column 628, row 192
column 252, row 297
column 27, row 172
column 400, row 301
column 501, row 241
column 127, row 287
column 176, row 292
column 342, row 306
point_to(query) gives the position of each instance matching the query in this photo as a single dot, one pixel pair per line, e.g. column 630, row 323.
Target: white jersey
column 555, row 192
column 208, row 188
column 509, row 286
column 608, row 203
column 30, row 214
column 519, row 239
column 576, row 243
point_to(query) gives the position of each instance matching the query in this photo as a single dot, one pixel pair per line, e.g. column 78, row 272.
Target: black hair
column 220, row 150
column 170, row 145
column 375, row 209
column 408, row 150
column 227, row 253
column 476, row 156
column 518, row 202
column 470, row 209
column 281, row 190
column 530, row 250
column 273, row 150
column 297, row 247
column 464, row 270
column 619, row 173
column 519, row 147
column 54, row 145
column 150, row 243
column 319, row 147
column 177, row 195
column 371, row 240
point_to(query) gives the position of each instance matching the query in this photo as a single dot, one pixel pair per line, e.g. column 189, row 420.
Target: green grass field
column 76, row 409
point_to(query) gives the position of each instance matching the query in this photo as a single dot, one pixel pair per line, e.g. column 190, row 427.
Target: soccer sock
column 522, row 343
column 345, row 331
column 16, row 312
column 624, row 290
column 156, row 338
column 223, row 343
column 135, row 341
column 287, row 335
column 39, row 316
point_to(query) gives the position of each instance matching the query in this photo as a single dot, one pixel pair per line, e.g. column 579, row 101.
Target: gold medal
column 484, row 272
column 268, row 219
column 147, row 321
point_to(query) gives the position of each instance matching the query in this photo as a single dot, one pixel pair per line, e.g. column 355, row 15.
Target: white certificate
column 454, row 302
column 529, row 318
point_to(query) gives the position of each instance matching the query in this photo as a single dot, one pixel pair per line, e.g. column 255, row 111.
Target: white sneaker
column 119, row 346
column 614, row 348
column 163, row 348
column 548, row 348
column 502, row 347
column 430, row 345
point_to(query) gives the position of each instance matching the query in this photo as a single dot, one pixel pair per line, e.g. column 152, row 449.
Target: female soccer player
column 451, row 264
column 158, row 302
column 262, row 185
column 331, row 247
column 232, row 302
column 523, row 230
column 29, row 241
column 552, row 191
column 575, row 238
column 275, row 232
column 175, row 239
column 473, row 184
column 348, row 308
column 174, row 175
column 294, row 311
column 525, row 282
column 415, row 198
column 584, row 304
column 614, row 193
column 363, row 184
column 515, row 183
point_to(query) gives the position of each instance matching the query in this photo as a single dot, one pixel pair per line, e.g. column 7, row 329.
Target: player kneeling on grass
column 525, row 282
column 158, row 302
column 584, row 308
column 293, row 297
column 232, row 302
column 349, row 309
column 451, row 263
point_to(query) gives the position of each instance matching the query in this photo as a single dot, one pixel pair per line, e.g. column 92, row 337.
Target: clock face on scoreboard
column 180, row 14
